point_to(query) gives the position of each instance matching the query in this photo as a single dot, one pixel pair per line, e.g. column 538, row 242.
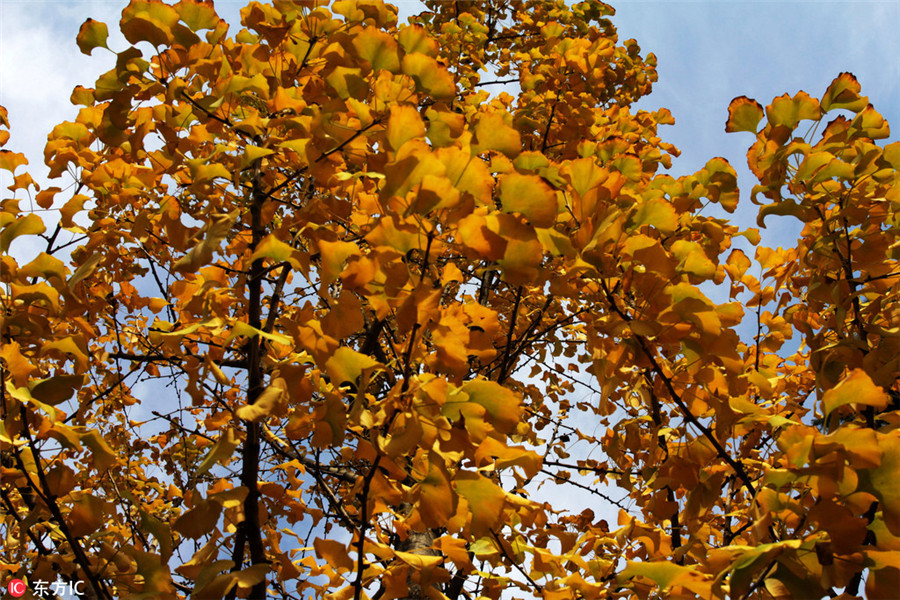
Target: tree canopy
column 325, row 314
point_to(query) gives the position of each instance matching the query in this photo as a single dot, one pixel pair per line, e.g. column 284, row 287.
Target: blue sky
column 711, row 52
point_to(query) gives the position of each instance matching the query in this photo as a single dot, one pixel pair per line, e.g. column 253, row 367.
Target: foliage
column 333, row 311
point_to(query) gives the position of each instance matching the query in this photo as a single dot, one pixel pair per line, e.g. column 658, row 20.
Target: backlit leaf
column 530, row 196
column 485, row 500
column 430, row 77
column 744, row 114
column 856, row 387
column 92, row 35
column 492, row 133
column 199, row 520
column 30, row 224
column 843, row 93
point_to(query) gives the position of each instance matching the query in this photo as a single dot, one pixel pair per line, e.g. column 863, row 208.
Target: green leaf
column 93, row 34
column 744, row 114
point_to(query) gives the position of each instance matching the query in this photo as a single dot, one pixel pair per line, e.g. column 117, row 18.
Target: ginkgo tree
column 321, row 306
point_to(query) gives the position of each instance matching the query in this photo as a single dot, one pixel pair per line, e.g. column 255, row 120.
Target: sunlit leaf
column 744, row 114
column 856, row 387
column 530, row 196
column 485, row 499
column 843, row 93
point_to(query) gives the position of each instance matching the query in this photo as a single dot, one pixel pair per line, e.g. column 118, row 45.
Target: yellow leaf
column 335, row 553
column 418, row 561
column 856, row 387
column 379, row 48
column 492, row 133
column 92, row 35
column 883, row 481
column 251, row 155
column 430, row 76
column 485, row 501
column 10, row 160
column 501, row 403
column 86, row 516
column 221, row 452
column 404, row 123
column 530, row 196
column 243, row 329
column 16, row 364
column 666, row 575
column 30, row 224
column 744, row 114
column 334, row 254
column 268, row 402
column 56, row 389
column 658, row 213
column 200, row 520
column 102, row 456
column 346, row 365
column 46, row 266
column 272, row 247
column 693, row 259
column 216, row 230
column 203, row 557
column 197, row 14
column 437, row 502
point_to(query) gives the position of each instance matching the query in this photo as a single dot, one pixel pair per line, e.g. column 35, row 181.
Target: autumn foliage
column 328, row 314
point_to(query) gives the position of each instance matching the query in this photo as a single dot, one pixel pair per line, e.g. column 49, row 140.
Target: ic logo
column 16, row 588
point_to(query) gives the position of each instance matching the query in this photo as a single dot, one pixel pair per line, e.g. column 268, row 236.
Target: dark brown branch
column 97, row 584
column 676, row 397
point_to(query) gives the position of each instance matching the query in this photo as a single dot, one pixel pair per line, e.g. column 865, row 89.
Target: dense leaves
column 324, row 316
